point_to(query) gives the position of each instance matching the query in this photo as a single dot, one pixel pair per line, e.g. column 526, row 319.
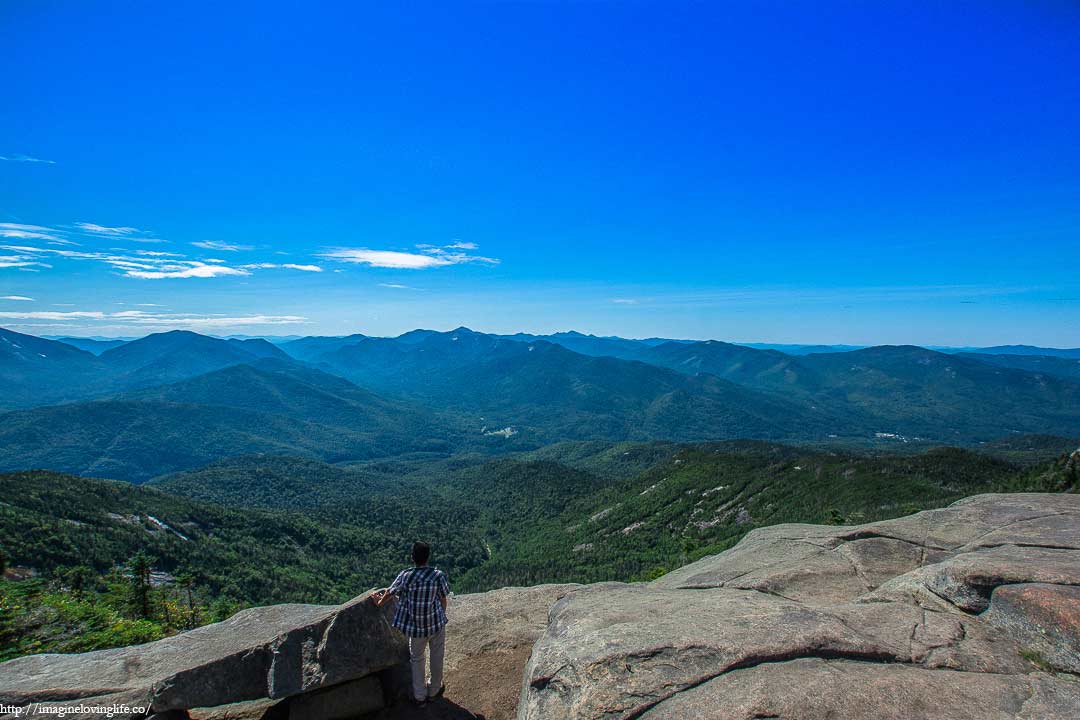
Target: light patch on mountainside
column 506, row 432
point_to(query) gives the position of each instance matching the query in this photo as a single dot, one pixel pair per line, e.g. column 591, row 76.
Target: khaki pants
column 417, row 646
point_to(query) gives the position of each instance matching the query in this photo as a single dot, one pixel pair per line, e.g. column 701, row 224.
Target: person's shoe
column 420, row 703
column 437, row 694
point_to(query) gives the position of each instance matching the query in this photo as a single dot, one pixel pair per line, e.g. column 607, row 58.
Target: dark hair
column 421, row 551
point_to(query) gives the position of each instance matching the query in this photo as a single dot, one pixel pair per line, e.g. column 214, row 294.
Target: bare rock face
column 851, row 689
column 488, row 642
column 967, row 611
column 1043, row 619
column 135, row 701
column 275, row 651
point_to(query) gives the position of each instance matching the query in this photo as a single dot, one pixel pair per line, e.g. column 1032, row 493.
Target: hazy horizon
column 285, row 337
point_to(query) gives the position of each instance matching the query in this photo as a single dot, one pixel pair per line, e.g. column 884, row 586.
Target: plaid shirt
column 419, row 611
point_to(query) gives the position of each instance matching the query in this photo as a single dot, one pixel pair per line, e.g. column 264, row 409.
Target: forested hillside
column 96, row 542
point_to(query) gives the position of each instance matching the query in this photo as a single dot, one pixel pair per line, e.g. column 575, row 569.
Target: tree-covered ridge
column 51, row 522
column 272, row 481
column 272, row 407
column 704, row 498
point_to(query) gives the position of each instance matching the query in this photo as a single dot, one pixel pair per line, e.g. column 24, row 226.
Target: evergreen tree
column 140, row 566
column 186, row 583
column 78, row 579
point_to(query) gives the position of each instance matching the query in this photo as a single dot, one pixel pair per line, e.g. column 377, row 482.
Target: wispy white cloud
column 384, row 258
column 454, row 254
column 19, row 157
column 63, row 235
column 430, row 256
column 191, row 270
column 288, row 266
column 222, row 246
column 21, row 262
column 143, row 264
column 220, row 321
column 138, row 264
column 22, row 298
column 397, row 286
column 140, row 318
column 119, row 232
column 19, row 231
column 21, row 226
column 55, row 315
column 624, row 301
column 106, row 230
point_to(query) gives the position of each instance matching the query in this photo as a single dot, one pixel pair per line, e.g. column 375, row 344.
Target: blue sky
column 764, row 171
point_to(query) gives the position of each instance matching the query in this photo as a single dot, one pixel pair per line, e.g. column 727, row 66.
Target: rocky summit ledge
column 968, row 611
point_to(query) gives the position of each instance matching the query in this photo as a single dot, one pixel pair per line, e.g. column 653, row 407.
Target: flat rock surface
column 816, row 688
column 884, row 620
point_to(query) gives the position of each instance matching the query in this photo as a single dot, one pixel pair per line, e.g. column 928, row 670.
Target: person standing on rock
column 422, row 592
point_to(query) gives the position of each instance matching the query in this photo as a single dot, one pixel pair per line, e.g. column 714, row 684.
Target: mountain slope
column 559, row 394
column 1063, row 367
column 546, row 392
column 34, row 370
column 250, row 555
column 137, row 440
column 284, row 388
column 593, row 345
column 703, row 498
column 764, row 369
column 90, row 345
column 273, row 481
column 914, row 391
column 166, row 357
column 1068, row 353
column 270, row 407
column 310, row 348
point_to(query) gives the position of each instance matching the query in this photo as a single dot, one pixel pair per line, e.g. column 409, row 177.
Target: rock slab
column 275, row 651
column 967, row 611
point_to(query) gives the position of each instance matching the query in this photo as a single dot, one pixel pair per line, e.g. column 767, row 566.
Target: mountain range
column 176, row 401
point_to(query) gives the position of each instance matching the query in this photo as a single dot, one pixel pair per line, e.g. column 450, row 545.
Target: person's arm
column 444, row 590
column 383, row 596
